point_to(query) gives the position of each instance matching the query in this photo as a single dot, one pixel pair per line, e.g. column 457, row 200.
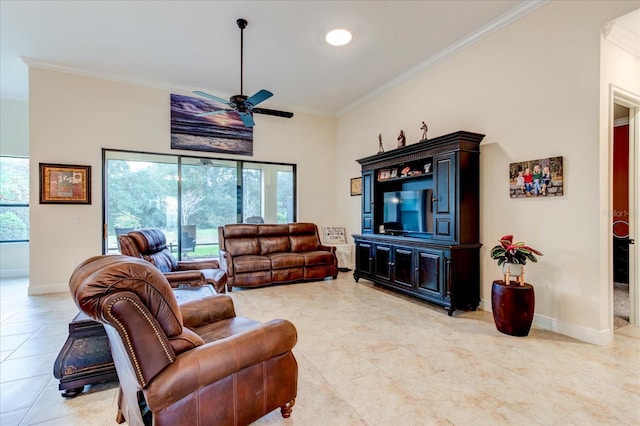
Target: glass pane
column 208, row 200
column 141, row 192
column 14, row 180
column 14, row 224
column 285, row 196
column 268, row 193
column 251, row 193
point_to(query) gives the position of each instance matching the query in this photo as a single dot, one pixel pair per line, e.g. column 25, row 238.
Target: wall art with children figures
column 536, row 178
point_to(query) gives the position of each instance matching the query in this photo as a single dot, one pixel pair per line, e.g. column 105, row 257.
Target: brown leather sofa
column 259, row 254
column 150, row 244
column 191, row 364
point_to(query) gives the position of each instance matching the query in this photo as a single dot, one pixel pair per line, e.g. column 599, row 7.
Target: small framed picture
column 65, row 184
column 427, row 168
column 356, row 186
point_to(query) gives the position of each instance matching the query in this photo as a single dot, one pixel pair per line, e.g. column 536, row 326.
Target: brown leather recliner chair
column 195, row 363
column 150, row 244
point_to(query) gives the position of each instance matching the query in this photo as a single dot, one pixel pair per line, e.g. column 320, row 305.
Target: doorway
column 624, row 137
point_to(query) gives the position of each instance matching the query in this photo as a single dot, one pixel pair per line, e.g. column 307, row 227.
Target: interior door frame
column 630, row 100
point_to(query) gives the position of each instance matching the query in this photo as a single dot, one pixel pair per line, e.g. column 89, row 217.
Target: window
column 190, row 197
column 14, row 199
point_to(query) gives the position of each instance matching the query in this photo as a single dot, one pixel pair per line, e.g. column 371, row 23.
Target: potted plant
column 512, row 257
column 513, row 305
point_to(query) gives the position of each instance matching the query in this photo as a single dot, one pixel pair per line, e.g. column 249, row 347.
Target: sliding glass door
column 188, row 198
column 208, row 199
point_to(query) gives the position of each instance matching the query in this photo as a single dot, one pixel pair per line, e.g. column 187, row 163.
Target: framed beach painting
column 224, row 133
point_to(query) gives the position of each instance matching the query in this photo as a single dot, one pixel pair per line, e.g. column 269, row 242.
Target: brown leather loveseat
column 191, row 364
column 259, row 254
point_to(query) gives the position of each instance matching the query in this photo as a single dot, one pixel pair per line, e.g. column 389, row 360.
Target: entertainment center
column 420, row 220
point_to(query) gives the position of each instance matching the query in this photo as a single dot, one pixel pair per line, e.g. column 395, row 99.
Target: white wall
column 14, row 140
column 74, row 117
column 620, row 69
column 533, row 89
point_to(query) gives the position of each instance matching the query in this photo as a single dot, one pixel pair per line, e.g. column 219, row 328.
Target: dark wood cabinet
column 367, row 202
column 420, row 220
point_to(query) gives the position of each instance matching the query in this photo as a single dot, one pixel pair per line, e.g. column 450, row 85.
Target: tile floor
column 366, row 357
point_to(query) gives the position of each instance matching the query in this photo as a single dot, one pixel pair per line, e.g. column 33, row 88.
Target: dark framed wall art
column 536, row 178
column 65, row 184
column 356, row 186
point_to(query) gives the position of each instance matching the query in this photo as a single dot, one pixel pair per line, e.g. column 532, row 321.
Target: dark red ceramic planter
column 513, row 306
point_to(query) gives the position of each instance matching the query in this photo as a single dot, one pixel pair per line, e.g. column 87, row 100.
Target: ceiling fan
column 243, row 105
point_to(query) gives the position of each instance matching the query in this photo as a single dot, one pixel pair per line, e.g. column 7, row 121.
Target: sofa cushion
column 240, row 231
column 270, row 230
column 270, row 245
column 242, row 246
column 287, row 275
column 249, row 263
column 314, row 258
column 286, row 260
column 300, row 243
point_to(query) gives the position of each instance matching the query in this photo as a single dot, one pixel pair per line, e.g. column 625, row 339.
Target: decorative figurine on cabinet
column 424, row 131
column 380, row 147
column 402, row 140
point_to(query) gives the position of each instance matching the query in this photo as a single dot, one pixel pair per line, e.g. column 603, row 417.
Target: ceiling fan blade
column 215, row 98
column 247, row 119
column 218, row 111
column 260, row 96
column 277, row 113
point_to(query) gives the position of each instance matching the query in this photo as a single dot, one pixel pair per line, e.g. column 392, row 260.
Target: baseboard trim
column 48, row 289
column 589, row 335
column 584, row 334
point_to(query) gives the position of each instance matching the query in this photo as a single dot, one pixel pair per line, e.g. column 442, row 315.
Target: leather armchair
column 195, row 363
column 150, row 244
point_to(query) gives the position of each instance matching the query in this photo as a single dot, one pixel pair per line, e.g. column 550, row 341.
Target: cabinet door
column 428, row 269
column 382, row 261
column 444, row 196
column 367, row 202
column 402, row 263
column 364, row 257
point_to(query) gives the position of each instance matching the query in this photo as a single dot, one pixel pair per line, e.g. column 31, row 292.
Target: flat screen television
column 408, row 212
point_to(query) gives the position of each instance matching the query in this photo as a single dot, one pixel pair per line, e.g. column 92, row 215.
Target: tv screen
column 408, row 211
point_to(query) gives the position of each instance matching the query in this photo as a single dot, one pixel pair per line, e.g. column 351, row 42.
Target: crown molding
column 496, row 25
column 624, row 34
column 151, row 84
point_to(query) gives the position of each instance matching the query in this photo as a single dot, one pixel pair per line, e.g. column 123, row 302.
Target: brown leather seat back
column 239, row 239
column 99, row 276
column 151, row 245
column 135, row 299
column 274, row 239
column 304, row 237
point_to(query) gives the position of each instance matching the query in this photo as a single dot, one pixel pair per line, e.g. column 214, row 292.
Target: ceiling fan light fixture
column 338, row 37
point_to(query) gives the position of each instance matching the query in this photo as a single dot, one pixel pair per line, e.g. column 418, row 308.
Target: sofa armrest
column 187, row 265
column 197, row 313
column 191, row 278
column 226, row 263
column 322, row 247
column 217, row 360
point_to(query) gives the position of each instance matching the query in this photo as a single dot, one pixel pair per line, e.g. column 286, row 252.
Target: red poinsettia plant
column 509, row 252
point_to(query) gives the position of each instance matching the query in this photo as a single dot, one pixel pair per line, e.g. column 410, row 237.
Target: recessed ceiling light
column 338, row 37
